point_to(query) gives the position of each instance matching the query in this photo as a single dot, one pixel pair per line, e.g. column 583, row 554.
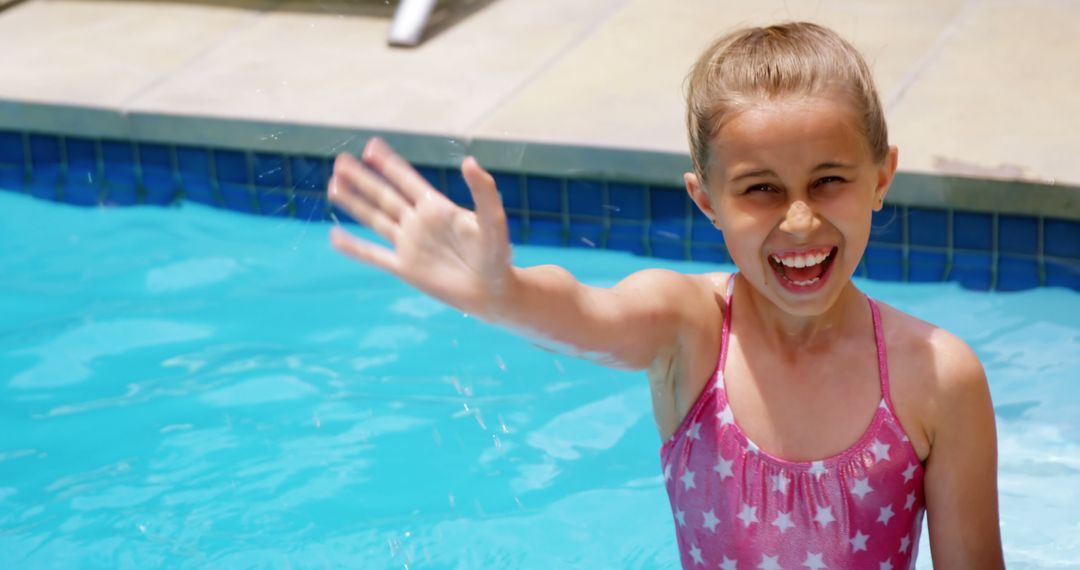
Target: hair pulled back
column 751, row 65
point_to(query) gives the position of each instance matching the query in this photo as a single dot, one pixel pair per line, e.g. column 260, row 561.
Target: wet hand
column 456, row 255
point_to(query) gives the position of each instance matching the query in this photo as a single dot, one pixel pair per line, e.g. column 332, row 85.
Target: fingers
column 370, row 186
column 482, row 186
column 489, row 206
column 363, row 251
column 359, row 208
column 381, row 158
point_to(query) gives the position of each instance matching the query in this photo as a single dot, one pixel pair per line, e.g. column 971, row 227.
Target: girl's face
column 792, row 184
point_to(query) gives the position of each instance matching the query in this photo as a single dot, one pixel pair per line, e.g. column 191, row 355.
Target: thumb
column 489, row 206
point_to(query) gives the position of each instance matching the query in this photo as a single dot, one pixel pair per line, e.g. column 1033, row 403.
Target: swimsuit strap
column 727, row 323
column 882, row 356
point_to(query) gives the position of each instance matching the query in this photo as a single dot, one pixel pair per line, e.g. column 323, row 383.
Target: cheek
column 744, row 233
column 855, row 225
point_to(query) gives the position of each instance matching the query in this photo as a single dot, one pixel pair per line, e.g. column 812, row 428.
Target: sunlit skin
column 794, row 175
column 786, row 176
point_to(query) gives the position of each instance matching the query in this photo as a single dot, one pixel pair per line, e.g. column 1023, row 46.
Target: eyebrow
column 764, row 172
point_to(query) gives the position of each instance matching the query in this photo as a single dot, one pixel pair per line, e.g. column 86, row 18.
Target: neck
column 790, row 335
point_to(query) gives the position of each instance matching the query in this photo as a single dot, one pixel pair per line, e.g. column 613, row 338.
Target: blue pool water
column 191, row 387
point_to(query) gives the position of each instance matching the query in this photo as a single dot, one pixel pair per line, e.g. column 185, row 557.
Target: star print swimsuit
column 738, row 507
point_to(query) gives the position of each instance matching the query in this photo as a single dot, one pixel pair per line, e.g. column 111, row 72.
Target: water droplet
column 450, row 497
column 457, row 385
column 667, row 234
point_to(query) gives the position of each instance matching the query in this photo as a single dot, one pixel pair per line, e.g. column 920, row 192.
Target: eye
column 761, row 188
column 828, row 180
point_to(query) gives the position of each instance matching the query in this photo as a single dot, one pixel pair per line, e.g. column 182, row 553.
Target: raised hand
column 456, row 255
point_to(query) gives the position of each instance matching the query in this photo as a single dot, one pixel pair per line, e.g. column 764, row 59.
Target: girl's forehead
column 791, row 129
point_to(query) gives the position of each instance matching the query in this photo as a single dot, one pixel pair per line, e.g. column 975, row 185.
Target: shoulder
column 674, row 291
column 673, row 280
column 942, row 356
column 937, row 369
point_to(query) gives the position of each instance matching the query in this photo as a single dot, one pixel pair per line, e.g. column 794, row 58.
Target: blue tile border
column 981, row 251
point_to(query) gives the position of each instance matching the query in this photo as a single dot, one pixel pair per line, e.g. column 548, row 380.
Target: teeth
column 802, row 260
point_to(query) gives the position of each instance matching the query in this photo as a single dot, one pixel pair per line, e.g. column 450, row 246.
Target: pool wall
column 979, row 250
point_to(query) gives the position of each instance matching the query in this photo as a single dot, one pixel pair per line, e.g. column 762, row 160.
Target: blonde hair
column 749, row 65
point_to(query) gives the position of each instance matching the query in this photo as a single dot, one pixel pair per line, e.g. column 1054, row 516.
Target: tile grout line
column 564, row 210
column 905, row 236
column 949, row 247
column 995, row 257
column 1039, row 252
column 99, row 171
column 60, row 185
column 646, row 225
column 28, row 161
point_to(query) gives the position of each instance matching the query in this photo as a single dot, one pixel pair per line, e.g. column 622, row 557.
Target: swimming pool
column 193, row 387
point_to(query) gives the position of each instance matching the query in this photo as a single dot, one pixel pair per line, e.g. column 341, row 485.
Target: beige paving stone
column 622, row 88
column 1002, row 99
column 299, row 66
column 99, row 54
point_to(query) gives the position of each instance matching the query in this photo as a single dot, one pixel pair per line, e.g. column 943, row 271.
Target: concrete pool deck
column 982, row 96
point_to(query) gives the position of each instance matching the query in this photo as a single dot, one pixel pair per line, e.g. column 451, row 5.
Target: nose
column 799, row 220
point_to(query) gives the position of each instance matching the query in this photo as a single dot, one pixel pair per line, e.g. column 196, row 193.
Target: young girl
column 804, row 424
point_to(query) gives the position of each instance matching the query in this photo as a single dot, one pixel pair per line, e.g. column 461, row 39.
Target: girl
column 804, row 424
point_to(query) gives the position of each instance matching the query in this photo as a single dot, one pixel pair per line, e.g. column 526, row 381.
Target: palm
column 451, row 253
column 442, row 251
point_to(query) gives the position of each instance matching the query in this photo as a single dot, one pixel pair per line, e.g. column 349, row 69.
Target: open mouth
column 803, row 270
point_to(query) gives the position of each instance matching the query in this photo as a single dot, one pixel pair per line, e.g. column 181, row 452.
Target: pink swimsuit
column 737, row 507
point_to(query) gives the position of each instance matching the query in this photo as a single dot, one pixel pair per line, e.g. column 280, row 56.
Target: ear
column 701, row 197
column 886, row 173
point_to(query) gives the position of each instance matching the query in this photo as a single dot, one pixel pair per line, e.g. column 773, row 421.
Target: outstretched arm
column 462, row 258
column 961, row 471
